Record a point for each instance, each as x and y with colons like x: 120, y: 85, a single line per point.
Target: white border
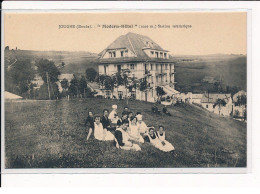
x: 133, y: 6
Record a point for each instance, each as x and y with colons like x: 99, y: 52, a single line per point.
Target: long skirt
x: 165, y: 148
x: 109, y: 137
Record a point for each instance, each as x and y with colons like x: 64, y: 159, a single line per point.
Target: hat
x: 139, y: 117
x: 114, y: 106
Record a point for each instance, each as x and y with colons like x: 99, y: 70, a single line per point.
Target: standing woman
x: 89, y: 123
x: 100, y: 133
x: 161, y: 135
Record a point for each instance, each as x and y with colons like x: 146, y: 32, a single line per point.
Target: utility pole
x: 47, y: 76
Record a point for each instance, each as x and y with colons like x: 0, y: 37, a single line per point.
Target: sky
x: 210, y: 32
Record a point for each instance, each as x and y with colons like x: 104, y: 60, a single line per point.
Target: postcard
x: 144, y: 92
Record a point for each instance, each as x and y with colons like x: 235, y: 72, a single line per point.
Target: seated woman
x: 89, y: 123
x: 122, y: 138
x: 156, y: 142
x: 99, y: 132
x: 133, y: 131
x: 161, y: 135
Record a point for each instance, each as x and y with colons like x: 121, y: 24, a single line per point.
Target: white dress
x: 168, y: 145
x: 156, y: 142
x: 99, y: 133
x: 142, y: 127
x: 112, y: 116
x: 125, y: 139
x: 133, y: 131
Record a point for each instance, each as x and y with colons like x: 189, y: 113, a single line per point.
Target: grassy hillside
x: 230, y: 69
x: 51, y: 134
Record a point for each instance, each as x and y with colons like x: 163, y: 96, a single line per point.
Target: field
x: 51, y: 134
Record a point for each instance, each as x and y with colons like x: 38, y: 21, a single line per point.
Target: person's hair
x: 130, y: 113
x: 151, y: 128
x: 124, y: 113
x: 125, y: 121
x: 138, y: 113
x: 97, y: 116
x: 161, y: 126
x: 132, y: 118
x: 90, y: 112
x: 105, y: 110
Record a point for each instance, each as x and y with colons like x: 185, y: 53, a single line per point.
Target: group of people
x: 128, y: 132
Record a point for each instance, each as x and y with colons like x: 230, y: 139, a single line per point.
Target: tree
x: 100, y: 80
x: 45, y: 66
x: 74, y: 87
x: 43, y: 91
x: 91, y: 74
x: 241, y: 100
x: 64, y: 84
x: 19, y: 77
x: 159, y: 91
x: 83, y: 86
x: 219, y: 103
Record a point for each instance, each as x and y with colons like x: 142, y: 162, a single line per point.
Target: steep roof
x: 212, y: 98
x: 11, y: 96
x: 136, y: 43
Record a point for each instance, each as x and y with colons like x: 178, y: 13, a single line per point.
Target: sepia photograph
x: 125, y: 90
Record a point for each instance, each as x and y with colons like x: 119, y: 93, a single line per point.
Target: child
x: 133, y: 131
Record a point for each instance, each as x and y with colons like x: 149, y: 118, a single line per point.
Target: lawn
x: 51, y: 134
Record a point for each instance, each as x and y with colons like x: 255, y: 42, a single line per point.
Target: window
x: 133, y: 94
x: 165, y: 55
x: 122, y: 53
x: 108, y: 93
x: 132, y: 66
x: 152, y: 53
x: 157, y: 67
x: 166, y: 66
x: 114, y: 54
x: 207, y: 106
x: 151, y: 66
x: 126, y: 53
x: 156, y: 54
x: 161, y: 55
x: 110, y: 54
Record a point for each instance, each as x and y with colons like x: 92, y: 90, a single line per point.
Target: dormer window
x: 114, y: 54
x: 126, y: 53
x: 152, y: 53
x: 161, y: 55
x: 165, y: 55
x: 156, y: 54
x: 122, y: 53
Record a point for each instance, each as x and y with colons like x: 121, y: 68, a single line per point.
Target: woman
x: 133, y: 131
x: 161, y: 135
x: 142, y: 127
x: 122, y: 138
x: 156, y: 142
x: 99, y: 132
x: 89, y: 123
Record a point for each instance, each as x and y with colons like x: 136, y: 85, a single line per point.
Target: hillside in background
x: 230, y: 70
x: 191, y: 71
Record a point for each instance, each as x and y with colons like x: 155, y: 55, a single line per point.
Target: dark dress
x: 106, y: 124
x: 89, y: 122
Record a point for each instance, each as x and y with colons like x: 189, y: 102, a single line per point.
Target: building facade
x: 140, y: 57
